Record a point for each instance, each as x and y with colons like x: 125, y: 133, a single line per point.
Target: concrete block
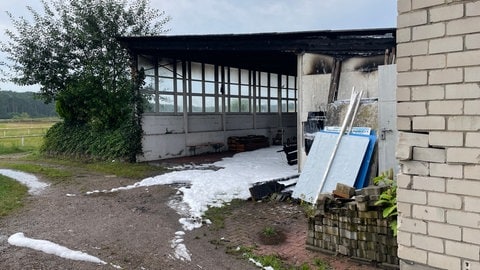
x: 344, y: 191
x: 444, y: 76
x: 429, y: 31
x: 373, y: 190
x: 403, y: 35
x: 404, y: 181
x: 473, y: 9
x: 413, y: 139
x: 471, y: 42
x: 428, y: 213
x: 444, y: 261
x: 369, y: 214
x: 471, y: 204
x: 412, y: 225
x: 464, y: 123
x: 472, y: 107
x: 462, y: 218
x: 404, y: 152
x: 444, y: 138
x: 463, y: 26
x: 403, y: 238
x: 412, y: 254
x: 429, y: 62
x: 404, y: 6
x: 463, y: 59
x: 414, y: 167
x: 426, y: 3
x: 463, y: 187
x: 463, y: 155
x: 463, y: 91
x: 429, y: 183
x: 411, y: 265
x: 471, y: 172
x: 448, y: 107
x: 445, y: 200
x: 472, y: 138
x: 436, y: 92
x: 422, y: 123
x: 412, y: 19
x: 404, y: 209
x: 442, y: 230
x: 411, y: 108
x: 411, y: 196
x: 471, y: 236
x: 446, y: 170
x: 429, y: 154
x: 446, y: 13
x: 445, y: 44
x: 404, y: 124
x: 411, y: 49
x: 471, y: 74
x: 403, y: 93
x: 428, y: 243
x: 412, y: 78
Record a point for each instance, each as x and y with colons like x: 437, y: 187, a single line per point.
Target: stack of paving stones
x: 353, y: 225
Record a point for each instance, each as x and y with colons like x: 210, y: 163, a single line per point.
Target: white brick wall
x: 438, y: 109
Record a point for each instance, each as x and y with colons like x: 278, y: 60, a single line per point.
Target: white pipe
x: 353, y: 98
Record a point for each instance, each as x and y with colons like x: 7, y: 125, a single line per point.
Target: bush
x: 86, y: 142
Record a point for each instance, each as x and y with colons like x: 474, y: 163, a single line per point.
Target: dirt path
x: 132, y: 229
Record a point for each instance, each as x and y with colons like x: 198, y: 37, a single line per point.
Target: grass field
x: 23, y: 135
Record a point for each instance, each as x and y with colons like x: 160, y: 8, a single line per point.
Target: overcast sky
x: 246, y: 16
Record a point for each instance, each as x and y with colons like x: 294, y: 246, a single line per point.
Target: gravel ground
x: 132, y: 229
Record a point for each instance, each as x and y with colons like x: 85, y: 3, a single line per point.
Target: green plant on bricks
x: 388, y: 198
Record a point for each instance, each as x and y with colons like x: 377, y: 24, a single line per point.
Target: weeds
x: 11, y: 195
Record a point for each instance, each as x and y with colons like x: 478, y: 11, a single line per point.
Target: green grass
x: 12, y: 194
x: 217, y: 214
x: 53, y: 174
x: 23, y: 136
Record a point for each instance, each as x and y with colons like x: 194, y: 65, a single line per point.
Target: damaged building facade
x: 203, y: 89
x: 438, y: 62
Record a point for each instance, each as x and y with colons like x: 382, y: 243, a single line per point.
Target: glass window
x: 233, y: 75
x: 291, y: 93
x: 244, y: 77
x: 264, y: 92
x: 166, y: 103
x: 273, y: 80
x: 197, y: 104
x: 244, y: 90
x: 149, y: 105
x: 273, y: 92
x: 196, y: 71
x: 149, y: 83
x: 245, y: 105
x: 165, y: 68
x: 166, y: 85
x: 209, y: 72
x: 179, y: 86
x: 209, y: 88
x: 291, y: 106
x: 179, y: 103
x: 234, y: 89
x: 273, y: 105
x: 263, y: 78
x: 196, y: 87
x: 234, y: 106
x: 209, y: 104
x: 263, y: 105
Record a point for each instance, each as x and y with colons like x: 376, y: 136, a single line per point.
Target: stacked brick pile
x: 354, y: 228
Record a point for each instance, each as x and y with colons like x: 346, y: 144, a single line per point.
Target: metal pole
x: 353, y: 98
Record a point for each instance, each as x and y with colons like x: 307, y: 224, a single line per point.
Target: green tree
x: 71, y: 50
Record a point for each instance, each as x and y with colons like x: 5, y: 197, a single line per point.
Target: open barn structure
x: 204, y: 89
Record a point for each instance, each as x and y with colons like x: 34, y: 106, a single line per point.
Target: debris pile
x: 247, y: 143
x: 348, y: 222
